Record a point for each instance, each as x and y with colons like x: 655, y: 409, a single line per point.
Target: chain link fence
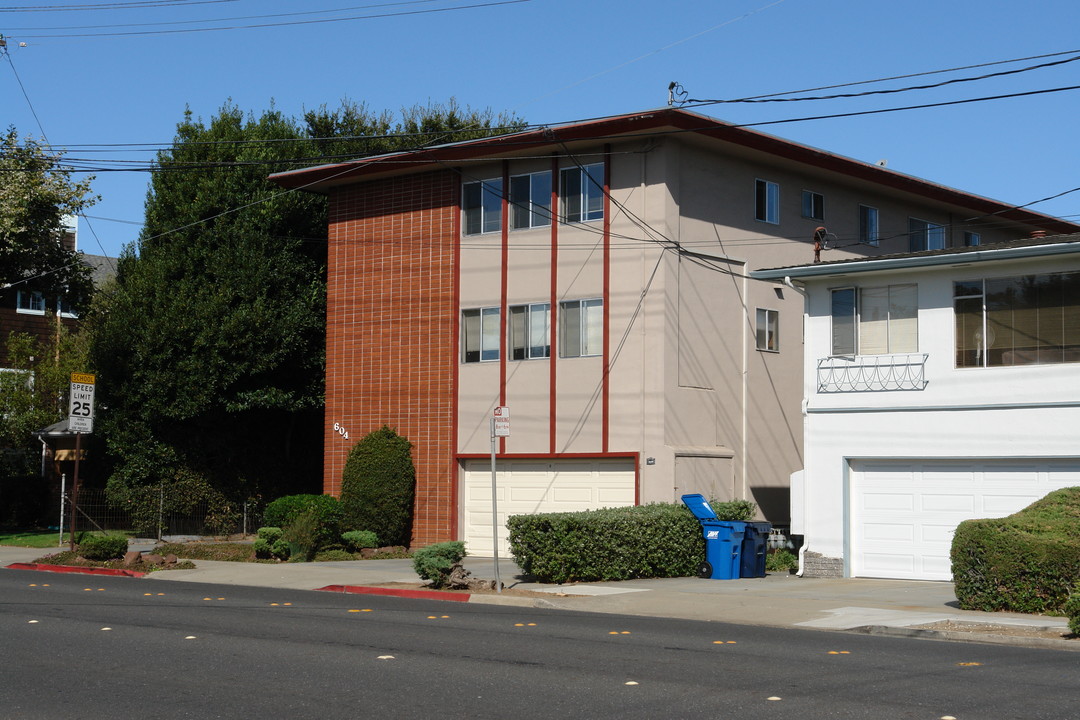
x: 94, y: 512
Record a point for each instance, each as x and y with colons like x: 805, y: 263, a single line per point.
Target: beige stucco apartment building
x: 593, y: 278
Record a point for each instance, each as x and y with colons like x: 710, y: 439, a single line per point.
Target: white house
x: 939, y: 386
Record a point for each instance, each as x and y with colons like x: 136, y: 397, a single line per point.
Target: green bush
x: 303, y: 535
x: 329, y: 514
x: 740, y: 510
x: 333, y: 555
x: 378, y: 486
x: 103, y: 547
x: 657, y: 540
x: 269, y: 534
x: 1026, y: 562
x: 360, y: 539
x: 280, y: 549
x: 781, y: 561
x: 1072, y: 609
x: 434, y: 561
x: 262, y: 548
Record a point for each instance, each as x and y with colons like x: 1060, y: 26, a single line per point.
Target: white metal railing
x: 862, y: 373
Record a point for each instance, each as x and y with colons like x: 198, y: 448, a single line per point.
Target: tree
x: 378, y: 486
x: 210, y: 348
x: 36, y: 192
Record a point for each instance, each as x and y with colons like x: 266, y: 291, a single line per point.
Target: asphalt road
x: 99, y: 647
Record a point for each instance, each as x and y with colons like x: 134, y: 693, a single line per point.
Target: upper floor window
x: 875, y: 321
x: 868, y: 225
x: 482, y: 204
x: 925, y: 235
x: 581, y: 193
x: 64, y: 308
x: 30, y: 301
x: 767, y: 201
x: 971, y: 239
x: 767, y: 337
x: 480, y: 334
x: 813, y: 205
x: 1021, y: 320
x: 530, y: 200
x: 581, y: 328
x: 530, y: 331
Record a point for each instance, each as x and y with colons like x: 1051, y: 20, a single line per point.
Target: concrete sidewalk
x: 779, y: 600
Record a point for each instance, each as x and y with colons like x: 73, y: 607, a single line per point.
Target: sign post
x: 80, y: 420
x: 500, y: 427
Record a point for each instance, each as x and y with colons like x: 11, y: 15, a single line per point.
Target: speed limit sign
x: 81, y: 405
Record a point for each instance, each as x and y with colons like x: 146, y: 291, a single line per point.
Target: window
x: 482, y: 203
x: 30, y: 301
x: 868, y: 225
x: 1023, y: 320
x: 925, y: 235
x: 767, y: 339
x: 767, y: 201
x: 530, y: 200
x: 64, y: 308
x: 530, y: 331
x: 971, y: 239
x: 581, y: 328
x: 875, y: 321
x: 582, y: 193
x: 480, y: 334
x: 813, y: 205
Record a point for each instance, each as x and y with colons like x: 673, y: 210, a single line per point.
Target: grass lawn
x: 49, y: 539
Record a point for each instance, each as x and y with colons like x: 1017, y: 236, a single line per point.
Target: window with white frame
x: 875, y: 320
x: 581, y: 193
x: 767, y: 338
x: 581, y: 328
x: 480, y: 334
x: 925, y: 235
x: 1018, y: 320
x: 868, y: 225
x: 30, y: 301
x: 64, y: 308
x: 530, y: 331
x: 767, y: 201
x: 530, y: 200
x: 481, y: 203
x: 813, y: 205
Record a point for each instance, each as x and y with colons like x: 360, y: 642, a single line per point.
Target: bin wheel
x: 704, y: 570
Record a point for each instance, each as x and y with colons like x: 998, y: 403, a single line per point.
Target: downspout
x: 806, y: 448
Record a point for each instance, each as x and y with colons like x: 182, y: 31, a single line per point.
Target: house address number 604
x: 340, y: 430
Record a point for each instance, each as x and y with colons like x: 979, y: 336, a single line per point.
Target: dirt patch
x: 1001, y: 630
x: 511, y: 592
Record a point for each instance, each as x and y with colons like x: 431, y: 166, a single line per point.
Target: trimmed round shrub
x: 435, y: 561
x: 378, y: 486
x: 103, y: 547
x: 269, y: 534
x: 359, y: 539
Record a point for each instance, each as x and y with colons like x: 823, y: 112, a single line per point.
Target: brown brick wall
x: 391, y: 314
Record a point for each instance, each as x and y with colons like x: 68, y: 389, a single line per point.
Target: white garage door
x: 525, y: 487
x: 903, y: 514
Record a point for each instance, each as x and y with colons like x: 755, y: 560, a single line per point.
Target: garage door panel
x: 930, y: 498
x: 526, y: 487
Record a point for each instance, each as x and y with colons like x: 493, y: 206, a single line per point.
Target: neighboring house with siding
x: 940, y: 386
x: 594, y: 278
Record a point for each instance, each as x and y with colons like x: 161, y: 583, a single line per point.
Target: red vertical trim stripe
x: 455, y: 375
x: 554, y: 315
x: 605, y: 387
x: 504, y: 271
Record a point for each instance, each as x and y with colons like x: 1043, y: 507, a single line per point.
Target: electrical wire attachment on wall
x: 676, y: 94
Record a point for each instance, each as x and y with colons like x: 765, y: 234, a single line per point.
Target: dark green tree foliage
x: 209, y: 349
x: 378, y: 486
x: 36, y: 192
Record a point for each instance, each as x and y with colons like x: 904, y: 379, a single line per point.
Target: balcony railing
x: 863, y: 373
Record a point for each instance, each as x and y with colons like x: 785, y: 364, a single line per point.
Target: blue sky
x: 558, y: 60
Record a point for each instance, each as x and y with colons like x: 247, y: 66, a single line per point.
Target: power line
x: 134, y: 5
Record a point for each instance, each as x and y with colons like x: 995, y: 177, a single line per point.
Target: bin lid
x: 699, y: 506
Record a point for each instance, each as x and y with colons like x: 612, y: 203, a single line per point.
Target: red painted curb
x: 396, y: 592
x: 80, y: 570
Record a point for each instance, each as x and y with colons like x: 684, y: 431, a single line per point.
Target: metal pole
x: 63, y: 497
x: 75, y: 490
x: 161, y: 510
x: 495, y: 512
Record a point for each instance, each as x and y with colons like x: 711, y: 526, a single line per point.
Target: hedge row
x: 658, y: 540
x: 1026, y: 562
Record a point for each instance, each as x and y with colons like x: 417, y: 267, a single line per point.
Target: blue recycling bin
x: 723, y: 540
x: 755, y: 544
